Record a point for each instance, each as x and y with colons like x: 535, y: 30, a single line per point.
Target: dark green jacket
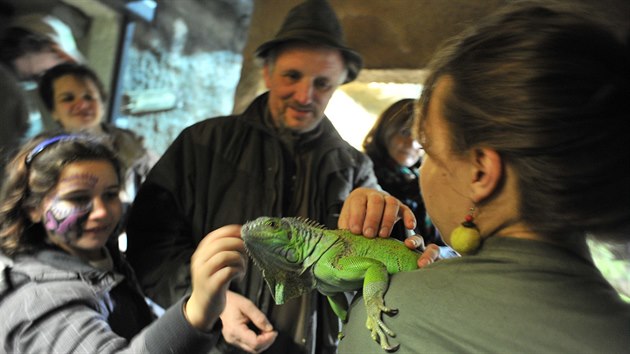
x: 230, y: 170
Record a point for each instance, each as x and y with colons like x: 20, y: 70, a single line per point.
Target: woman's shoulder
x: 129, y: 145
x: 122, y: 136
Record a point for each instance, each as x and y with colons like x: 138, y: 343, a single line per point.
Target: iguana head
x: 281, y: 248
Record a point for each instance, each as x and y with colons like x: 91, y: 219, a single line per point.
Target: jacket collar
x: 51, y: 264
x: 324, y: 135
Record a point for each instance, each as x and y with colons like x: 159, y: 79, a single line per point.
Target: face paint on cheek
x: 64, y: 220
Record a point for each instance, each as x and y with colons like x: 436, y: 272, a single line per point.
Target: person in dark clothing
x: 396, y: 155
x: 64, y: 285
x: 280, y: 157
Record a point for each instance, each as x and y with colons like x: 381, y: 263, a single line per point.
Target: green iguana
x: 297, y: 255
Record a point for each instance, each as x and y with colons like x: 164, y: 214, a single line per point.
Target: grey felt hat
x: 315, y: 21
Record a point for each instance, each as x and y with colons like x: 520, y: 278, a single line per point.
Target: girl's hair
x: 549, y: 90
x: 47, y: 81
x: 32, y: 174
x: 392, y: 120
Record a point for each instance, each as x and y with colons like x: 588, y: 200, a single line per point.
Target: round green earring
x: 465, y: 238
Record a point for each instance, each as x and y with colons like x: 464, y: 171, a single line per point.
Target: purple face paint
x: 64, y: 219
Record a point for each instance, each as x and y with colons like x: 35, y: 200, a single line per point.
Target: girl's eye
x: 78, y: 199
x: 112, y: 195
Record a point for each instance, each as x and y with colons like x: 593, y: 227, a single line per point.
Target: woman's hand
x: 430, y: 253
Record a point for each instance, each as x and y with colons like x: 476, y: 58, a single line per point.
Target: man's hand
x: 430, y: 253
x: 239, y: 312
x: 371, y: 212
x: 218, y: 259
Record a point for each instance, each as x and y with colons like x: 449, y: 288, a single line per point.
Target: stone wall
x: 192, y: 50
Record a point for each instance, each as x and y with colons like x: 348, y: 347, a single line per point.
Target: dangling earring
x: 465, y: 238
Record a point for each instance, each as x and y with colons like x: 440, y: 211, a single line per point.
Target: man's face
x: 301, y: 82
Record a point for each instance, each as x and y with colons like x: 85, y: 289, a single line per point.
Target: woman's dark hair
x: 16, y: 42
x: 396, y: 117
x: 47, y: 81
x: 34, y: 172
x: 549, y: 90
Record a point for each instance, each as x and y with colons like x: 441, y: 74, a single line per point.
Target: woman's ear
x: 487, y: 173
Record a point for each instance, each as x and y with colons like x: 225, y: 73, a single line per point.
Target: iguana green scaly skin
x: 297, y: 256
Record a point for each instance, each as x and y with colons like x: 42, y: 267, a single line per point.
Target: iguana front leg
x: 375, y: 284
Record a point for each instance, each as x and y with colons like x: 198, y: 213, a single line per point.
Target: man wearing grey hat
x: 280, y: 157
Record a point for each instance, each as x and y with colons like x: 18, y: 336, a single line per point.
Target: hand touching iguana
x: 297, y: 256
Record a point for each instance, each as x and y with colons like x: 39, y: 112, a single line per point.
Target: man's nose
x: 304, y: 93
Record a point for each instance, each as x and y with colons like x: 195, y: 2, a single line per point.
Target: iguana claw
x: 379, y: 331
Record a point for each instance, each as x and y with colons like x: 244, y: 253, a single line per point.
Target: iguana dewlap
x: 297, y: 256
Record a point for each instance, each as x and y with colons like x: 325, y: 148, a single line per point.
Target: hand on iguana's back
x: 372, y: 213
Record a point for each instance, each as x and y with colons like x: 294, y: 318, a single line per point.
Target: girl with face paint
x: 83, y: 210
x: 59, y: 208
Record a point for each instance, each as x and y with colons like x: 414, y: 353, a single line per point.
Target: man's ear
x: 487, y: 173
x: 266, y: 74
